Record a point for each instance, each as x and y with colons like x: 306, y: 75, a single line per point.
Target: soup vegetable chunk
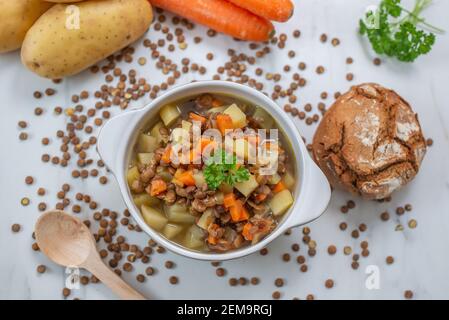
x: 211, y: 175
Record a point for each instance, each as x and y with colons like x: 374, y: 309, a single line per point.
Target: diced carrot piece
x: 186, y: 178
x: 238, y: 212
x: 224, y: 122
x: 246, y: 232
x: 261, y: 197
x: 206, y: 142
x: 157, y: 187
x: 279, y: 187
x: 166, y: 156
x: 210, y: 238
x: 197, y: 117
x: 229, y: 200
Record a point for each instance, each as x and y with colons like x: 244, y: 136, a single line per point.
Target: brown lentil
x: 41, y: 268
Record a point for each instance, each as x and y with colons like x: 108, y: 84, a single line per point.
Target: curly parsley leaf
x: 397, y: 36
x: 223, y: 167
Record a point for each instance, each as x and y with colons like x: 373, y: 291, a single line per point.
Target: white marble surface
x: 422, y: 254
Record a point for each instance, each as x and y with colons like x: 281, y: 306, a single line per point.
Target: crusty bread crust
x: 370, y: 142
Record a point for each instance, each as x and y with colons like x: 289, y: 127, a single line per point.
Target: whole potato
x: 54, y: 47
x: 16, y: 17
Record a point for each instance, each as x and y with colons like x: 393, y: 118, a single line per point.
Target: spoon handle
x: 112, y: 280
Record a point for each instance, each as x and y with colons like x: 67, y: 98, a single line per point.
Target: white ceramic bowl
x: 312, y: 193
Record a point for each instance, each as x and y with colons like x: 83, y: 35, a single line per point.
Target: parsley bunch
x: 222, y: 167
x: 396, y: 34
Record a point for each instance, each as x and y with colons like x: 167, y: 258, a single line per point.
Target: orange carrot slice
x: 224, y: 122
x: 229, y: 200
x: 196, y: 117
x: 279, y: 187
x: 157, y: 187
x: 238, y: 212
x: 166, y: 156
x: 276, y: 10
x: 186, y: 178
x: 246, y: 232
x: 221, y: 16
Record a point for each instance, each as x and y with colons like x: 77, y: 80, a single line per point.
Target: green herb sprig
x: 222, y: 167
x: 397, y: 34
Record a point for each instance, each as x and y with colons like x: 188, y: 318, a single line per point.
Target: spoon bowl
x: 63, y: 238
x: 67, y: 241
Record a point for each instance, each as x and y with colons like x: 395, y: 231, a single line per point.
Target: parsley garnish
x: 222, y: 167
x: 397, y: 36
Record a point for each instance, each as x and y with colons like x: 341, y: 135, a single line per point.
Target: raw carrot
x: 224, y: 122
x: 157, y: 187
x: 229, y: 200
x: 221, y: 16
x: 166, y: 156
x: 246, y: 232
x: 276, y: 10
x: 279, y: 187
x: 196, y: 117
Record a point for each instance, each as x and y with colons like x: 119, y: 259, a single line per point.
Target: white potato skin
x: 16, y: 17
x: 52, y: 50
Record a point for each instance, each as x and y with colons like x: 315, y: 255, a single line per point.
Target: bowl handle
x: 110, y: 138
x: 317, y: 196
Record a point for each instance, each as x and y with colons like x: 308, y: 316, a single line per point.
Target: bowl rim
x: 140, y: 116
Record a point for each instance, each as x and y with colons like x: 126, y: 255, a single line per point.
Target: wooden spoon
x: 68, y: 242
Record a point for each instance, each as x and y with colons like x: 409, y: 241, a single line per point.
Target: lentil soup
x: 213, y: 173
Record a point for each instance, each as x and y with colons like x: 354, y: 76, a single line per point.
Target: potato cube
x: 154, y: 218
x: 145, y: 199
x: 169, y: 114
x: 289, y: 180
x: 248, y: 186
x: 145, y: 158
x: 265, y: 120
x: 194, y: 238
x: 237, y: 116
x: 172, y: 230
x: 132, y: 175
x: 146, y: 143
x: 280, y: 203
x: 206, y: 219
x: 155, y: 131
